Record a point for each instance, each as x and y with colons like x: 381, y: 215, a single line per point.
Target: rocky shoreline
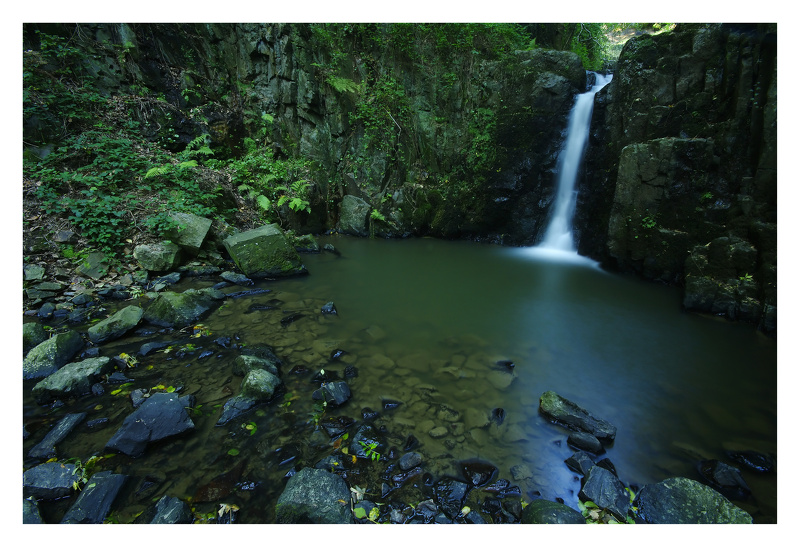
x: 70, y: 356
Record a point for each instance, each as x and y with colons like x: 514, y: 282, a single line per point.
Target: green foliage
x: 369, y: 450
x: 342, y: 85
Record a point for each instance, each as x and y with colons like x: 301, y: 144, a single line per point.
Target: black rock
x: 477, y: 473
x: 409, y: 461
x: 335, y: 426
x: 94, y: 501
x: 150, y: 347
x: 450, y: 495
x: 401, y: 478
x: 606, y: 490
x: 585, y: 441
x: 368, y: 414
x: 505, y: 365
x: 411, y: 443
x: 30, y: 512
x: 49, y: 481
x: 754, y: 461
x: 580, y: 462
x: 118, y: 378
x: 172, y: 511
x: 291, y: 318
x: 497, y: 416
x: 391, y: 404
x: 223, y: 341
x: 337, y: 354
x: 98, y: 389
x: 334, y: 393
x: 367, y: 435
x: 350, y: 372
x: 331, y: 249
x: 98, y: 423
x: 724, y: 478
x: 329, y: 309
x: 605, y: 463
x: 567, y: 414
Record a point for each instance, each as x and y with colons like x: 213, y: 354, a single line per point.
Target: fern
x: 343, y: 85
x: 158, y: 171
x: 187, y: 164
x: 263, y: 202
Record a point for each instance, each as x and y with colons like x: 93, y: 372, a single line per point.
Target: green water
x: 423, y: 322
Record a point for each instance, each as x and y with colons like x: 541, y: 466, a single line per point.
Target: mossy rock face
x: 312, y: 496
x: 550, y: 512
x: 170, y: 309
x: 50, y: 355
x: 684, y: 501
x: 33, y: 334
x: 264, y: 252
x: 116, y: 325
x: 72, y: 380
x: 158, y: 257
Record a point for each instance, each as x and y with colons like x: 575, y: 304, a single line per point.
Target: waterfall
x: 558, y: 235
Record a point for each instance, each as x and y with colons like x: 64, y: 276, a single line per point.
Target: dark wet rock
x: 505, y: 365
x: 171, y: 309
x: 116, y: 325
x: 138, y: 396
x: 477, y: 473
x: 541, y: 511
x: 160, y: 283
x: 753, y: 461
x: 46, y: 448
x: 97, y: 423
x: 334, y: 393
x: 223, y: 341
x: 366, y: 506
x: 606, y: 490
x: 33, y: 334
x: 331, y: 249
x: 605, y: 463
x: 330, y: 463
x: 236, y: 278
x: 474, y: 517
x: 30, y: 512
x: 205, y: 354
x: 501, y: 488
x: 684, y: 501
x: 49, y: 481
x: 49, y: 356
x: 497, y: 416
x: 291, y: 318
x: 258, y: 386
x: 190, y: 232
x: 325, y: 376
x: 47, y: 309
x: 368, y: 414
x: 409, y: 461
x: 264, y: 252
x: 329, y: 309
x: 158, y: 257
x: 366, y: 434
x: 426, y: 510
x: 251, y: 292
x: 235, y: 407
x: 245, y: 363
x: 567, y: 414
x: 161, y: 416
x: 580, y: 462
x: 337, y: 354
x: 353, y: 216
x: 584, y: 441
x: 263, y: 351
x: 171, y: 510
x: 450, y: 494
x: 724, y: 478
x: 98, y: 389
x: 350, y: 372
x: 411, y: 443
x: 335, y: 426
x: 313, y: 496
x: 118, y: 378
x: 494, y: 508
x: 72, y: 380
x: 94, y: 501
x: 390, y: 404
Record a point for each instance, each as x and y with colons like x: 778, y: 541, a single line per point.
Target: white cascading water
x: 558, y: 236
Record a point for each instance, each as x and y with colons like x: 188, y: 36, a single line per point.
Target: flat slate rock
x: 49, y: 481
x: 171, y: 510
x: 605, y: 489
x: 94, y: 501
x: 46, y: 448
x: 72, y: 380
x: 52, y: 354
x: 567, y: 414
x: 161, y: 416
x: 684, y: 501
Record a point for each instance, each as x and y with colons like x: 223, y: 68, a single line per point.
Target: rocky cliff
x: 681, y: 183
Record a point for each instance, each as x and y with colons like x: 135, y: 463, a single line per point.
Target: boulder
x: 245, y: 363
x: 566, y: 413
x: 94, y: 501
x: 171, y: 309
x: 724, y: 478
x: 450, y: 495
x: 259, y: 386
x: 49, y: 481
x: 93, y: 266
x: 158, y: 257
x: 584, y: 441
x: 684, y: 501
x: 580, y: 462
x: 161, y: 416
x: 314, y: 496
x: 334, y: 393
x: 33, y: 334
x: 72, y: 380
x: 116, y: 325
x: 50, y: 355
x: 306, y: 244
x: 541, y: 511
x: 353, y: 216
x: 606, y: 490
x: 191, y: 231
x: 264, y: 252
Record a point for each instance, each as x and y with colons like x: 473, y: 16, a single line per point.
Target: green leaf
x: 360, y: 512
x: 263, y: 202
x: 374, y: 513
x: 233, y: 452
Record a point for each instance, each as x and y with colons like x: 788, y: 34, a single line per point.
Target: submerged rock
x: 171, y: 510
x: 566, y: 413
x: 46, y: 448
x: 754, y: 461
x: 334, y: 393
x: 450, y: 495
x: 684, y: 501
x: 314, y: 496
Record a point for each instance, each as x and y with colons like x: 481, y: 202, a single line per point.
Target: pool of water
x: 424, y: 323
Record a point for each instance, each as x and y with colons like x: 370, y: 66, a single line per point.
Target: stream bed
x: 421, y: 325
